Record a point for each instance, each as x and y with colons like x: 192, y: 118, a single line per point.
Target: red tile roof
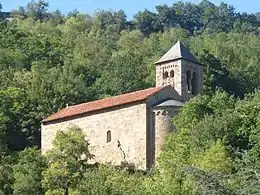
x: 104, y: 103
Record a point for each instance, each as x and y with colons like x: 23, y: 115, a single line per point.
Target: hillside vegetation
x: 48, y: 60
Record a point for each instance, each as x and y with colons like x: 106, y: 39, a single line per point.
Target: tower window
x: 188, y: 80
x: 165, y: 75
x: 108, y: 136
x: 194, y: 84
x: 172, y: 73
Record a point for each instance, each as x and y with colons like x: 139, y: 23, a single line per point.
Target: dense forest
x: 49, y: 60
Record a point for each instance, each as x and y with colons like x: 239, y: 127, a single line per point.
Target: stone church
x: 132, y: 127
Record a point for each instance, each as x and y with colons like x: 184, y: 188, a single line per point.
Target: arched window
x: 194, y: 84
x: 165, y: 75
x: 108, y: 136
x: 172, y: 73
x: 188, y: 80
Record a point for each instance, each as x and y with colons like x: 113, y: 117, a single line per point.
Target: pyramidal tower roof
x: 178, y: 51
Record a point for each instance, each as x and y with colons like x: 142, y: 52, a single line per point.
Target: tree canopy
x: 49, y: 60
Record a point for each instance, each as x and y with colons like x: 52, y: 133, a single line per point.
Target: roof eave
x: 66, y: 117
x: 92, y: 111
x: 176, y: 59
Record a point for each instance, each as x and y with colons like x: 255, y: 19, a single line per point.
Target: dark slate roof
x: 170, y: 103
x: 178, y: 51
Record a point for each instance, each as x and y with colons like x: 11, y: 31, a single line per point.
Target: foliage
x: 213, y: 145
x: 49, y: 60
x: 28, y: 172
x: 108, y: 180
x: 67, y: 161
x: 52, y: 60
x: 6, y: 173
x: 14, y: 118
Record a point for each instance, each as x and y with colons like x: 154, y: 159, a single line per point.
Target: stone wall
x: 192, y: 67
x: 163, y: 125
x: 127, y: 125
x: 175, y: 81
x: 179, y: 79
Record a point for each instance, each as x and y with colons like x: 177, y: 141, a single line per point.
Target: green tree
x: 13, y: 111
x: 125, y: 73
x: 37, y: 10
x: 28, y: 172
x: 148, y: 22
x: 67, y: 161
x: 3, y: 143
x: 6, y: 173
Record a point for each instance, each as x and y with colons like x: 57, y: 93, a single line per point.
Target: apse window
x: 108, y: 136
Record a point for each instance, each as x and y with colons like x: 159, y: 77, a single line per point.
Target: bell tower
x: 180, y: 69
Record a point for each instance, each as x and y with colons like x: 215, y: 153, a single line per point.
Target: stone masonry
x: 127, y: 125
x: 137, y: 123
x: 180, y: 69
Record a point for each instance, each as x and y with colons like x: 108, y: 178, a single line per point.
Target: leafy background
x: 48, y: 60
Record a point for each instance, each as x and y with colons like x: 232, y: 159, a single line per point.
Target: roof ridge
x: 117, y: 96
x: 101, y: 104
x: 178, y: 51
